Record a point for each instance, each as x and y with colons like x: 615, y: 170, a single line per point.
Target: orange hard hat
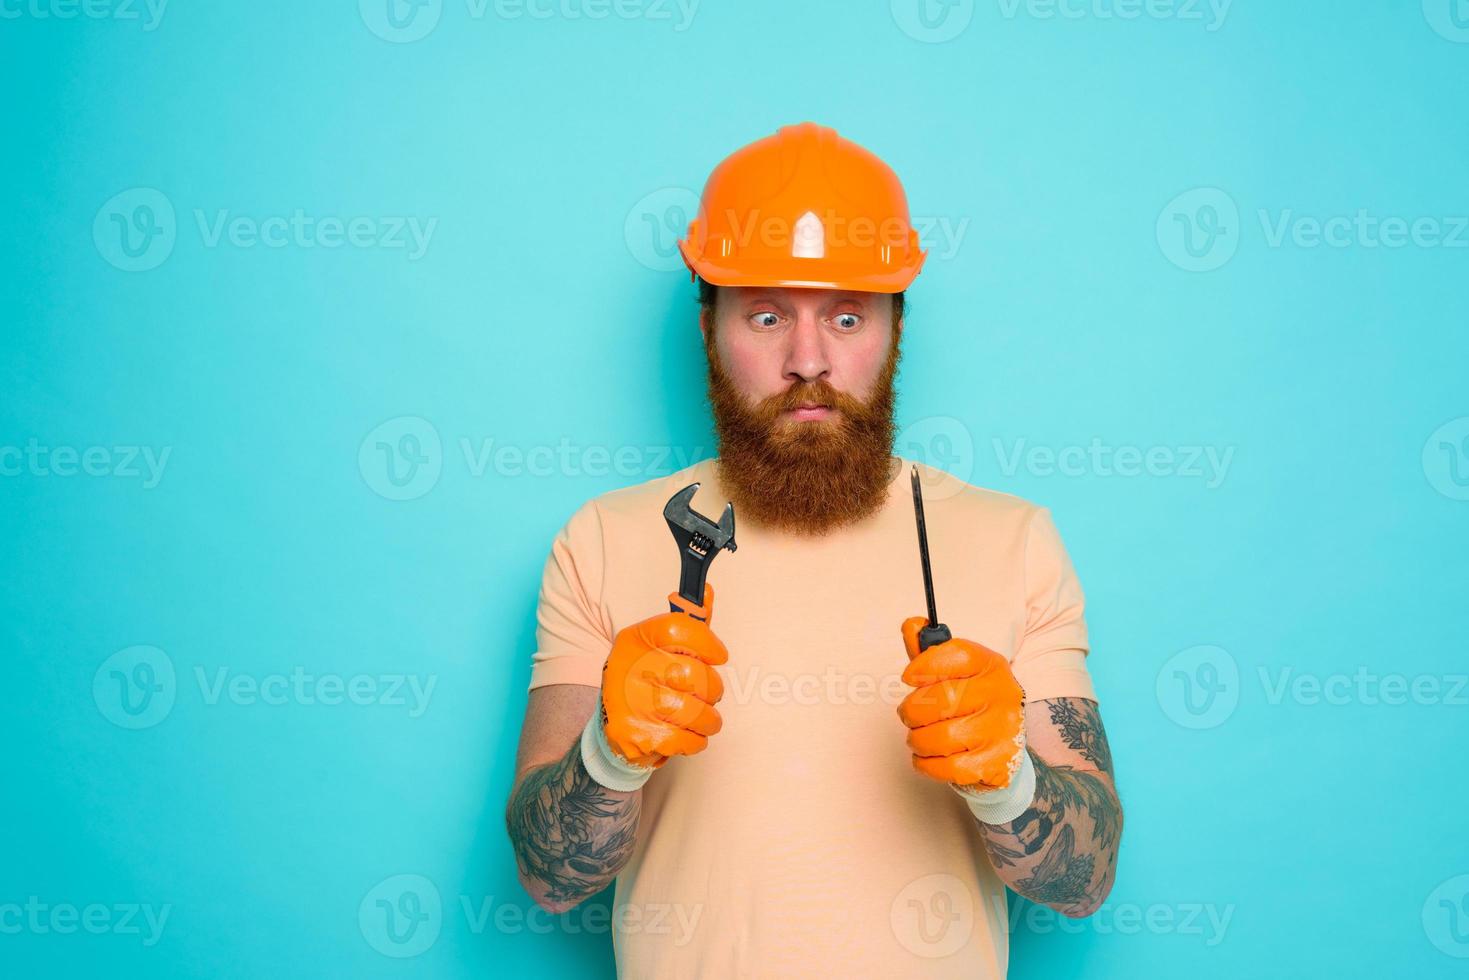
x: 804, y: 207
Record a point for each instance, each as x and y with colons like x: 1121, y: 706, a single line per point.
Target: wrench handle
x: 680, y: 603
x: 692, y: 573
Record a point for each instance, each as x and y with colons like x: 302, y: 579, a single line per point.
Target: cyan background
x: 546, y: 308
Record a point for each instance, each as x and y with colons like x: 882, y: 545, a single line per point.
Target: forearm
x: 571, y: 835
x: 1062, y: 851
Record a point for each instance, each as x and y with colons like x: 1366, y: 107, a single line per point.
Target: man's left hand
x: 966, y: 716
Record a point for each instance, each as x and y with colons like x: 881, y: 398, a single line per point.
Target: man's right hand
x: 659, y: 688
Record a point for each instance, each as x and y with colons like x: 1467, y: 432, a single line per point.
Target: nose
x: 806, y: 354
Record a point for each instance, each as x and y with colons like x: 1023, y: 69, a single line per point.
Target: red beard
x: 806, y: 477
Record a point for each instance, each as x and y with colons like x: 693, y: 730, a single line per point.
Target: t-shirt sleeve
x: 1051, y: 659
x: 573, y: 632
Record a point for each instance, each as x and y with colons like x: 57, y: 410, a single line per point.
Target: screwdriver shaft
x: 933, y: 616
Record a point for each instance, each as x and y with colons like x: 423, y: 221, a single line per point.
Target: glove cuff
x: 604, y: 765
x: 1003, y: 805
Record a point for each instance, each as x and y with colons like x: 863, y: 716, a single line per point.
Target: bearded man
x: 810, y: 788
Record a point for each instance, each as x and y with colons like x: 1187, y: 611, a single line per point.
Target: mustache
x: 818, y: 392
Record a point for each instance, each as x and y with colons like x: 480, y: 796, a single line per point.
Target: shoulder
x: 1007, y: 524
x: 944, y: 490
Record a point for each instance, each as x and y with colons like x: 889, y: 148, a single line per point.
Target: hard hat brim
x: 808, y: 274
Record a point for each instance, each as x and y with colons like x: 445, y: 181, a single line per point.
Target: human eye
x: 765, y: 319
x: 847, y: 321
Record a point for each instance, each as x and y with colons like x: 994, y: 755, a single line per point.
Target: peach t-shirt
x: 801, y: 842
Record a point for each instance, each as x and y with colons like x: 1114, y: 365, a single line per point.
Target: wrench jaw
x: 699, y: 540
x: 726, y: 527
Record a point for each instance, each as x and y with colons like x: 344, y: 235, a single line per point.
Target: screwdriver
x: 935, y: 631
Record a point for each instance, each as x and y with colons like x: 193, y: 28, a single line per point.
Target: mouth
x: 809, y: 412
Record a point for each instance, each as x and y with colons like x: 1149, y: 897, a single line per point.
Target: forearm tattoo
x: 1052, y: 850
x: 1081, y: 729
x: 570, y: 833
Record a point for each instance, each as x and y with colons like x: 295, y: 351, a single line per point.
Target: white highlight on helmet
x: 809, y: 242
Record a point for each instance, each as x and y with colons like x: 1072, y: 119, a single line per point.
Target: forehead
x: 792, y: 297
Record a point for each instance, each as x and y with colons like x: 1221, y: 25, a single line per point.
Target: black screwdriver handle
x: 930, y: 635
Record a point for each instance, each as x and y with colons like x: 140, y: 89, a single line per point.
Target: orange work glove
x: 659, y: 688
x: 966, y: 718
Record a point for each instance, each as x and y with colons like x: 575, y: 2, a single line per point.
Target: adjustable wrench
x: 699, y: 540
